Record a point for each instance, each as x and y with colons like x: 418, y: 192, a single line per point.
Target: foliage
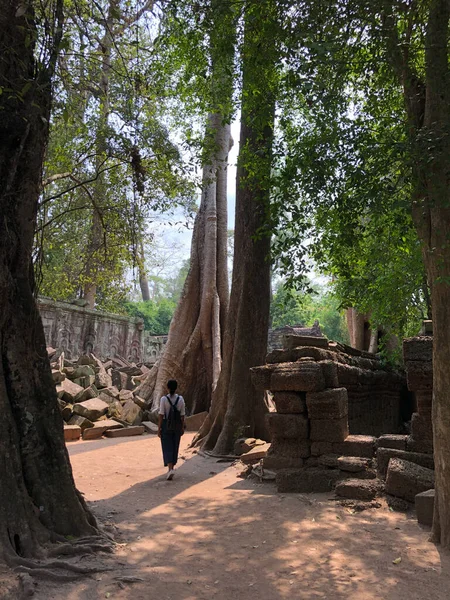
x: 291, y: 307
x: 156, y: 314
x: 343, y: 194
x: 111, y: 155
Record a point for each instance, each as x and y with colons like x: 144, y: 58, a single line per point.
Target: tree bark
x: 143, y: 279
x: 427, y: 102
x: 38, y: 499
x: 432, y: 217
x: 238, y: 408
x: 193, y: 353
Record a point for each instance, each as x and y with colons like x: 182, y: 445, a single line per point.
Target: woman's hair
x: 172, y: 385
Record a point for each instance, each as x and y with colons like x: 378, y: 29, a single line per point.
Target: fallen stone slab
x: 110, y: 391
x: 86, y: 394
x: 290, y: 402
x: 83, y: 371
x: 150, y: 427
x: 255, y: 454
x: 385, y: 454
x: 392, y: 441
x: 99, y: 428
x: 125, y: 432
x: 329, y: 404
x: 67, y: 390
x: 283, y: 426
x: 125, y: 395
x: 354, y: 464
x: 91, y: 409
x: 243, y: 445
x: 72, y: 432
x: 82, y: 422
x: 329, y: 430
x: 305, y: 481
x: 356, y: 445
x: 131, y: 413
x: 58, y: 376
x: 194, y: 422
x: 291, y: 340
x: 424, y: 503
x: 67, y: 412
x: 358, y: 489
x: 85, y: 381
x: 405, y: 479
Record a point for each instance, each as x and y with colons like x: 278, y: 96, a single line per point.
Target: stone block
x: 150, y: 427
x: 354, y: 464
x: 91, y: 409
x: 290, y: 402
x: 425, y: 507
x: 83, y: 371
x: 347, y: 375
x: 330, y: 373
x: 419, y: 376
x: 418, y: 349
x: 291, y: 340
x: 140, y: 402
x: 405, y: 479
x: 255, y: 454
x: 194, y: 422
x: 125, y: 395
x: 99, y: 428
x: 305, y: 481
x: 424, y: 400
x: 421, y: 427
x: 384, y: 455
x: 115, y: 410
x: 329, y: 430
x: 68, y: 390
x: 356, y: 445
x: 57, y: 376
x: 283, y: 426
x: 285, y: 454
x: 110, y: 391
x: 261, y: 377
x: 328, y: 460
x: 329, y: 404
x: 392, y: 441
x: 67, y: 412
x: 125, y: 432
x: 102, y: 379
x: 319, y: 448
x: 421, y: 446
x: 72, y: 432
x: 304, y: 376
x: 131, y: 413
x: 85, y: 381
x: 82, y: 422
x: 358, y: 489
x: 86, y: 394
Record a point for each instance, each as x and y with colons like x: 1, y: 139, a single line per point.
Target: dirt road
x: 208, y: 534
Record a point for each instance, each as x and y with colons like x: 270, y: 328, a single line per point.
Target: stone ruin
x: 339, y: 420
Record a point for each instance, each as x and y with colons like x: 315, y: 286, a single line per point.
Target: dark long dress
x: 170, y: 442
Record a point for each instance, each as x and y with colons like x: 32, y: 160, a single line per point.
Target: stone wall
x: 79, y: 330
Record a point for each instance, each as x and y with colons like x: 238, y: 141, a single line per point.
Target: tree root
x: 49, y: 575
x: 75, y: 549
x: 32, y: 566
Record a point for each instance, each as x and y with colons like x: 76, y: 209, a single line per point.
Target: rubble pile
x: 96, y: 398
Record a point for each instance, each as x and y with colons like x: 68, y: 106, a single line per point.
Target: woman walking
x: 172, y: 411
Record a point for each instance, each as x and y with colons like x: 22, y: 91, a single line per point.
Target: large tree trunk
x: 38, y: 499
x: 432, y: 217
x: 192, y: 354
x: 238, y: 408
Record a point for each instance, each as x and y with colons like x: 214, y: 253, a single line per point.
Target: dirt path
x: 209, y: 534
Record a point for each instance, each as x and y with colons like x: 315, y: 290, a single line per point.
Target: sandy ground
x: 209, y: 534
